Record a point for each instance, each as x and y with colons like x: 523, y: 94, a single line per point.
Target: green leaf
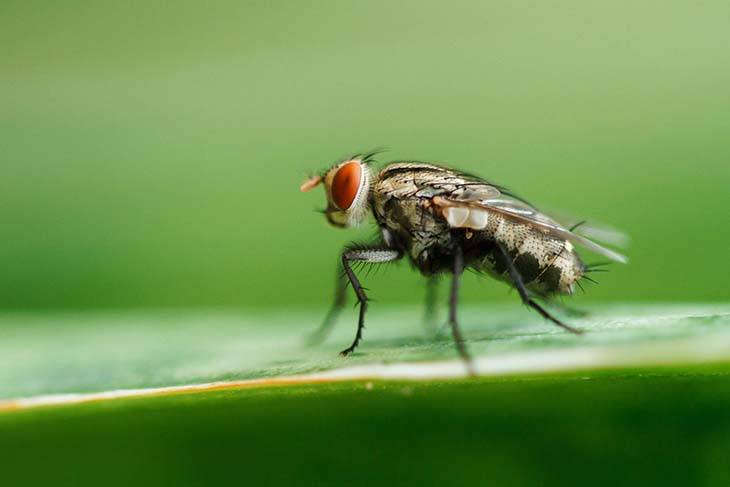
x: 633, y: 423
x: 46, y: 354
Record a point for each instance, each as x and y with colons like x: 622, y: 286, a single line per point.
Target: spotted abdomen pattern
x: 546, y: 264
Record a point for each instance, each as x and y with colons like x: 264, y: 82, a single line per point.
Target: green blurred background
x: 151, y: 152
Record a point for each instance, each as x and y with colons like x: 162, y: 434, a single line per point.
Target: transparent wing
x: 592, y: 229
x: 520, y: 211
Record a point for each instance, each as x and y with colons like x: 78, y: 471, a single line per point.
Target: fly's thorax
x: 399, y: 200
x: 409, y: 221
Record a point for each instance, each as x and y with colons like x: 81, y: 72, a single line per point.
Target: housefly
x: 445, y: 221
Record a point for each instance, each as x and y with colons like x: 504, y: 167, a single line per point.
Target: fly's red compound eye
x: 346, y: 184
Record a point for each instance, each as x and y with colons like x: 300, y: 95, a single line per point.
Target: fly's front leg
x: 370, y: 255
x: 458, y: 269
x: 525, y: 295
x: 339, y: 302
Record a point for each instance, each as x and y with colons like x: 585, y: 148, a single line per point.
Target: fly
x: 445, y: 221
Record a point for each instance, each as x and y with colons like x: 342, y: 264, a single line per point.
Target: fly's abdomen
x: 547, y: 265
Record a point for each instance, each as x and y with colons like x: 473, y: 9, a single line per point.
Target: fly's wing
x: 468, y: 206
x: 598, y: 231
x: 522, y: 212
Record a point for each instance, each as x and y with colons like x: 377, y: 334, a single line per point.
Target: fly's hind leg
x: 430, y: 306
x: 563, y: 308
x: 458, y: 269
x: 370, y: 255
x: 334, y: 312
x: 525, y: 295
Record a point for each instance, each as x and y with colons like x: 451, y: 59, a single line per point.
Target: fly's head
x: 347, y: 187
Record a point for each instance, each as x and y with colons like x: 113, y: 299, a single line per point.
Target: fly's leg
x: 525, y: 295
x: 334, y: 312
x: 429, y: 308
x: 563, y: 308
x: 458, y: 269
x: 371, y: 255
